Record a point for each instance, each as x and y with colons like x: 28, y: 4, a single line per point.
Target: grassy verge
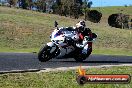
x: 61, y: 79
x: 112, y: 52
x: 26, y: 50
x: 95, y: 51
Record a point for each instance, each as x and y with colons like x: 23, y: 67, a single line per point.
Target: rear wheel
x: 45, y: 55
x: 80, y: 57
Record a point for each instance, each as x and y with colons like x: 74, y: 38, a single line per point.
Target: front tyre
x: 44, y: 54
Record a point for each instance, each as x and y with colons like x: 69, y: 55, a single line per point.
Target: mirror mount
x: 56, y: 24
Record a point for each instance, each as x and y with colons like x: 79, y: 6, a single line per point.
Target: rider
x: 85, y: 37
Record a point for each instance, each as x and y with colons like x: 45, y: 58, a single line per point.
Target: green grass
x: 107, y: 11
x: 95, y: 51
x: 29, y: 50
x: 25, y: 31
x: 115, y: 9
x: 60, y: 79
x: 112, y: 52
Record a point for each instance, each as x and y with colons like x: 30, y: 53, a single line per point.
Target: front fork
x: 54, y: 49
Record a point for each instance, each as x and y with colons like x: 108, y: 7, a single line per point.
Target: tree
x: 19, y: 3
x: 86, y: 7
x: 24, y: 4
x: 56, y: 8
x: 30, y: 4
x: 58, y: 2
x: 79, y: 1
x: 89, y: 4
x: 12, y: 2
x: 125, y: 5
x: 41, y: 5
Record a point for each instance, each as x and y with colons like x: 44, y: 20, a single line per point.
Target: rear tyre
x: 44, y: 54
x: 80, y: 57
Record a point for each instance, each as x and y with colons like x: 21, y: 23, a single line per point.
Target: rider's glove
x: 87, y: 38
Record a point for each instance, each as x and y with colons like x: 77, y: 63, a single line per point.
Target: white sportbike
x: 63, y: 45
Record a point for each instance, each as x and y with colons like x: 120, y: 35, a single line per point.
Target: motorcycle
x: 60, y: 48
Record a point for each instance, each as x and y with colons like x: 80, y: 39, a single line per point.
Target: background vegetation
x: 23, y: 29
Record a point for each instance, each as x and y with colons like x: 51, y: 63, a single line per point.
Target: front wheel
x: 44, y: 54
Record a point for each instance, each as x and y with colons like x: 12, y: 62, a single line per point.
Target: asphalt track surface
x: 24, y: 62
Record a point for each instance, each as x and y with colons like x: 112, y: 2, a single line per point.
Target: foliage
x: 41, y: 5
x: 72, y: 8
x: 12, y: 2
x: 26, y: 4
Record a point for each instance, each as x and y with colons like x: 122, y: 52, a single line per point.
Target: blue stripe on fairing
x: 57, y: 34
